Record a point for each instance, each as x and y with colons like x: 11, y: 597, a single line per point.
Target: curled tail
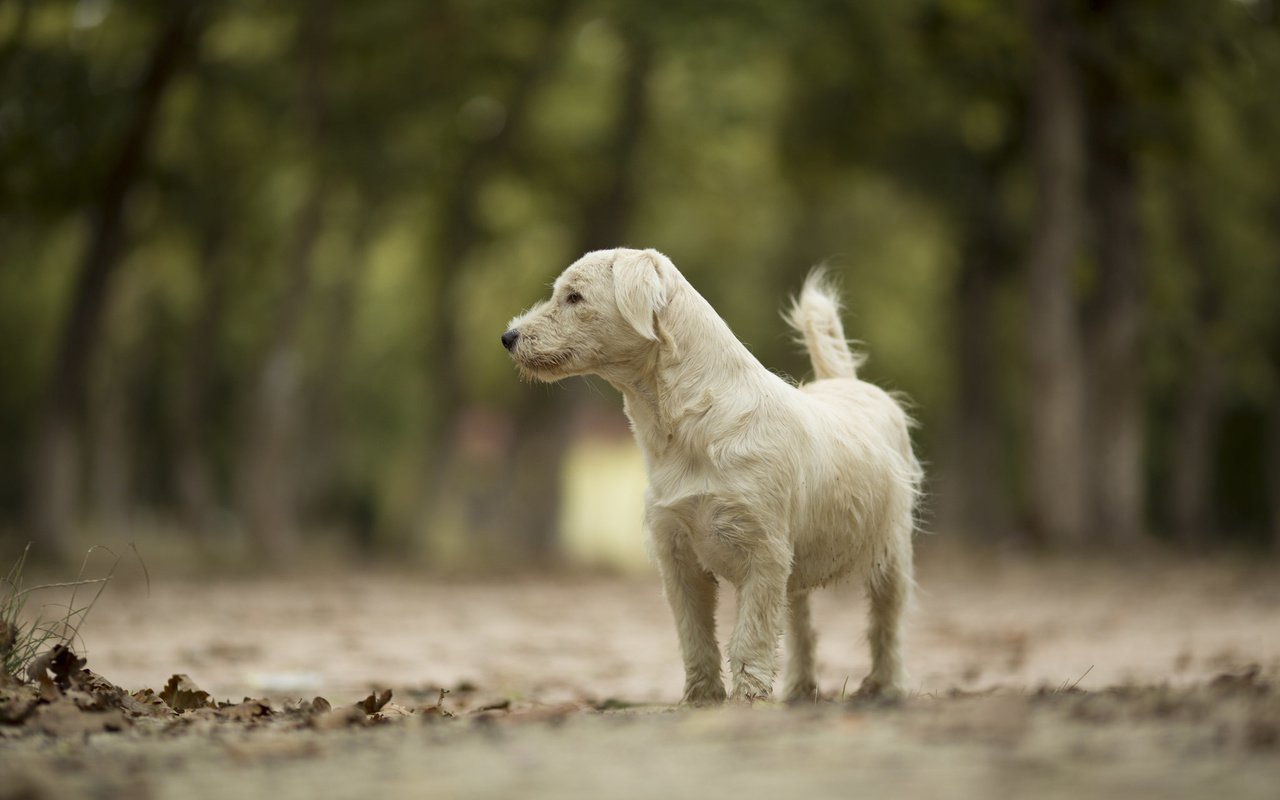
x: 815, y: 314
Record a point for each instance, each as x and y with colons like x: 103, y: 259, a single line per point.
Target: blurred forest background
x: 255, y: 258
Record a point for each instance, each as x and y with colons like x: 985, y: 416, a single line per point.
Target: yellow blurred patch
x: 603, y: 509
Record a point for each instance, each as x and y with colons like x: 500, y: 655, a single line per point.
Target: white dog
x: 777, y: 489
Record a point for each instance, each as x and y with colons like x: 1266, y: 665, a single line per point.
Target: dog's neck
x: 671, y: 388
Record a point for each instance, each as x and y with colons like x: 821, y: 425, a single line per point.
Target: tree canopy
x: 255, y: 258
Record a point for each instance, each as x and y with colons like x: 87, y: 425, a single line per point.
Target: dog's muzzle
x: 509, y: 339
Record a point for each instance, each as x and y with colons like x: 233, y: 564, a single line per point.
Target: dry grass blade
x: 1082, y: 677
x: 22, y: 640
x: 71, y: 634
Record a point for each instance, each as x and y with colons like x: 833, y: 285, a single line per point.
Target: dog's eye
x: 573, y: 298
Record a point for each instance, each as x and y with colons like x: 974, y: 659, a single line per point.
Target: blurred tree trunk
x: 322, y: 472
x: 111, y: 436
x: 269, y: 490
x: 1273, y: 446
x: 607, y: 213
x: 1273, y: 463
x: 542, y: 431
x: 17, y: 35
x: 269, y: 475
x: 1199, y: 406
x: 801, y: 251
x: 1115, y: 309
x: 53, y: 491
x: 458, y: 234
x: 974, y: 498
x: 1056, y: 461
x: 197, y: 496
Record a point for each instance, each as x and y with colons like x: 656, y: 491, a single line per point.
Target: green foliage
x: 889, y: 138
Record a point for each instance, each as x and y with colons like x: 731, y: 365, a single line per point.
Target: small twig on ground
x: 440, y: 700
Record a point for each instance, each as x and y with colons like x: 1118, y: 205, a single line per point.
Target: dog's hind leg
x: 691, y: 592
x: 801, y: 685
x: 889, y: 585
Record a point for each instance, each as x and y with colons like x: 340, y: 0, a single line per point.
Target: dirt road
x: 1052, y: 679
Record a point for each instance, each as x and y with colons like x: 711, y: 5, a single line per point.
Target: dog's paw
x: 751, y: 684
x: 745, y: 695
x: 802, y: 693
x: 749, y: 689
x: 875, y: 689
x: 703, y: 693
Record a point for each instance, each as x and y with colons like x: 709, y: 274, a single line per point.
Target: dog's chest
x: 721, y: 532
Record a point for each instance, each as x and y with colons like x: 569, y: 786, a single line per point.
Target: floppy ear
x: 641, y: 288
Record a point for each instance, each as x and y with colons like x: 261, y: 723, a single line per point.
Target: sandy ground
x: 978, y: 624
x: 1135, y: 678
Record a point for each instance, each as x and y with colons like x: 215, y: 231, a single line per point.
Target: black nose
x: 509, y: 339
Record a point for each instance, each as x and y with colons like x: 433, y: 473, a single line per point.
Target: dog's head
x: 603, y: 316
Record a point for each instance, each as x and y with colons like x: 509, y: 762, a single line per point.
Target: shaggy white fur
x: 777, y: 489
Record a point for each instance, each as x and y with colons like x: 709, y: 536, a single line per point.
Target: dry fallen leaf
x: 66, y: 666
x: 393, y: 711
x: 54, y: 671
x: 48, y: 691
x: 1248, y: 679
x: 182, y: 694
x: 501, y: 705
x: 375, y: 701
x: 38, y: 669
x: 342, y: 717
x: 85, y: 701
x: 91, y: 682
x: 200, y: 720
x: 146, y: 703
x: 248, y: 710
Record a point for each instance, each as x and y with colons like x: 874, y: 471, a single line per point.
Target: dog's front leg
x: 691, y: 592
x: 761, y: 601
x: 801, y: 685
